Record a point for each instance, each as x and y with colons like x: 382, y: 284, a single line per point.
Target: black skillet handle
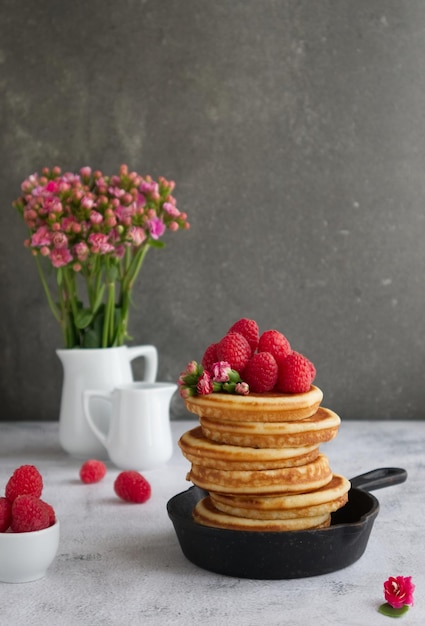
x: 379, y: 478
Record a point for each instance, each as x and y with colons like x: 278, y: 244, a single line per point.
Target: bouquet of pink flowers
x: 94, y: 232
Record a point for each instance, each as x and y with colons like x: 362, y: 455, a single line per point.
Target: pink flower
x: 141, y: 200
x: 41, y: 237
x: 99, y: 243
x: 124, y: 213
x: 81, y: 251
x: 137, y: 235
x: 149, y: 187
x: 156, y: 227
x: 96, y: 217
x: 204, y: 386
x: 87, y: 202
x: 60, y: 257
x: 220, y: 371
x: 60, y: 240
x: 398, y: 591
x: 52, y: 186
x: 171, y: 209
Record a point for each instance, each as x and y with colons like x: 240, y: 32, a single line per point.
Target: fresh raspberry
x: 235, y: 350
x: 274, y: 342
x: 248, y: 329
x: 24, y: 480
x: 296, y: 373
x: 210, y: 357
x: 92, y: 471
x: 29, y: 513
x: 132, y: 487
x: 260, y: 372
x: 51, y: 512
x: 5, y: 514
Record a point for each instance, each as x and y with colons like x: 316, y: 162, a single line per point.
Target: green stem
x: 109, y: 321
x: 134, y: 269
x: 52, y: 305
x: 69, y: 299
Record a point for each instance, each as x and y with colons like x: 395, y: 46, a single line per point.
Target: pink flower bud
x: 186, y: 392
x: 173, y: 226
x: 204, y: 386
x: 242, y: 389
x: 85, y: 171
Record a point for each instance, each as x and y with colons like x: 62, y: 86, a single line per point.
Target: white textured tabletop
x: 121, y: 564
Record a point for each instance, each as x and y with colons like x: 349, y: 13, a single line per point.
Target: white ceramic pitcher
x: 98, y: 368
x: 139, y: 435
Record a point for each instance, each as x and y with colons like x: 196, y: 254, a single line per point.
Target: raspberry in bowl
x: 29, y: 529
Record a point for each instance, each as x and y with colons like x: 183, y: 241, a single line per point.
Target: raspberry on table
x: 5, y: 514
x: 261, y: 372
x: 29, y: 513
x: 131, y: 486
x: 296, y: 373
x: 92, y: 471
x: 248, y: 329
x: 276, y: 343
x: 235, y: 350
x: 210, y: 357
x: 26, y: 479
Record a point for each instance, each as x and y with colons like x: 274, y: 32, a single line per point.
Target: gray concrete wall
x: 295, y: 131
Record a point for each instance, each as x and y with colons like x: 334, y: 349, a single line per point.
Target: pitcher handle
x: 151, y: 360
x: 87, y: 395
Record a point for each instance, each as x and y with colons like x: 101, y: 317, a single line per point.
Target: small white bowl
x: 26, y: 556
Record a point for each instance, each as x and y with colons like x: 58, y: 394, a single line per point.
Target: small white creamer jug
x: 139, y: 434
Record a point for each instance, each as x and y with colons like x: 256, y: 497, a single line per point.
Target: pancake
x: 207, y: 514
x: 274, y: 481
x: 337, y: 487
x: 314, y: 430
x: 202, y: 451
x: 256, y: 407
x: 325, y: 500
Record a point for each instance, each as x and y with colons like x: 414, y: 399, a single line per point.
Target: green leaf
x: 92, y: 339
x: 99, y: 298
x: 389, y: 611
x: 83, y: 318
x: 156, y: 243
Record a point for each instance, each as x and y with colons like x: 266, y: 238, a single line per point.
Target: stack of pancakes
x: 258, y: 458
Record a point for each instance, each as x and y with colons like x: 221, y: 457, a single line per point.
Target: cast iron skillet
x: 283, y: 555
